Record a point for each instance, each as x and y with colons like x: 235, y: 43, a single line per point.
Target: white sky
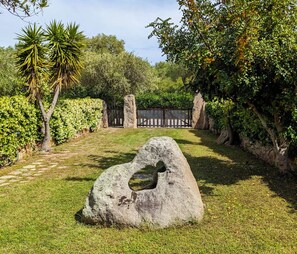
x: 126, y: 19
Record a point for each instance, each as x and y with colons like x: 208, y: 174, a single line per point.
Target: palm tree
x: 54, y: 56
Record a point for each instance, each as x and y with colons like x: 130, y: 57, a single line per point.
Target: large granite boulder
x: 175, y: 198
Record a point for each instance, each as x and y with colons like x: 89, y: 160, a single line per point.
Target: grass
x: 250, y: 208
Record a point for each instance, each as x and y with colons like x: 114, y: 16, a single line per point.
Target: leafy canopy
x: 240, y: 50
x: 23, y: 8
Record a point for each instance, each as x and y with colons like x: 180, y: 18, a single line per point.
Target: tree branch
x: 270, y: 131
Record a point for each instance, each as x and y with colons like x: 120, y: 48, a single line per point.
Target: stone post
x: 199, y: 118
x: 130, y: 118
x: 104, y: 115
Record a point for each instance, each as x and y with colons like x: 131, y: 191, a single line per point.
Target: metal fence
x: 115, y: 117
x: 154, y: 118
x: 169, y: 118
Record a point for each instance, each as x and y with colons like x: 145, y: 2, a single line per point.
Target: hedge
x: 180, y: 100
x: 73, y: 116
x: 18, y: 126
x: 20, y: 123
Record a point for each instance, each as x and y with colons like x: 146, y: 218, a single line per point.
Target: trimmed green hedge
x: 18, y: 126
x: 181, y: 100
x: 20, y: 123
x: 72, y: 116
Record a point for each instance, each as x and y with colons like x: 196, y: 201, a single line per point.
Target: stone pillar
x: 130, y: 118
x: 199, y: 117
x: 104, y: 116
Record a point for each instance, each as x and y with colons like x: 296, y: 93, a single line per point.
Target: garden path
x: 28, y: 172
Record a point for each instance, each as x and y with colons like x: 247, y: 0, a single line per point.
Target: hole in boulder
x: 146, y: 178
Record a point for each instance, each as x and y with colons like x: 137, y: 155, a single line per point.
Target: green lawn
x: 249, y: 207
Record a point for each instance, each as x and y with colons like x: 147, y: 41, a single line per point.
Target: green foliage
x: 171, y: 76
x: 24, y: 8
x: 18, y: 126
x: 215, y: 110
x: 180, y: 100
x: 240, y: 50
x: 74, y: 116
x: 243, y: 121
x: 31, y: 58
x: 49, y: 59
x: 111, y: 77
x: 10, y: 82
x: 64, y: 46
x: 103, y: 43
x: 291, y: 134
x: 20, y: 123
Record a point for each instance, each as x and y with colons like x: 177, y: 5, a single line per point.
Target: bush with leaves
x: 74, y: 116
x: 20, y: 123
x: 10, y: 83
x: 18, y: 127
x: 244, y: 51
x: 179, y: 100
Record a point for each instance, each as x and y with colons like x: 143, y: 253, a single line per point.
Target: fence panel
x: 115, y: 117
x: 170, y: 118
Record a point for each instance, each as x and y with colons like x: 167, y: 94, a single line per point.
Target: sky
x: 126, y: 19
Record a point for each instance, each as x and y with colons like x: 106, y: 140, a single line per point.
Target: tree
x: 23, y: 8
x: 10, y: 82
x: 110, y: 77
x: 110, y: 72
x: 172, y: 77
x: 102, y: 43
x: 49, y: 60
x: 244, y: 51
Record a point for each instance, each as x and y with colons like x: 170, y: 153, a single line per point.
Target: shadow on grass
x: 213, y: 171
x: 80, y: 179
x: 78, y: 216
x: 242, y: 166
x: 105, y: 162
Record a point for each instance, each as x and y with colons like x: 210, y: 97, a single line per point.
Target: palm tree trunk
x: 46, y: 143
x: 46, y: 116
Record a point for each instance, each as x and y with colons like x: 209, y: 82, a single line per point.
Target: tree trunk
x: 280, y: 144
x: 282, y: 158
x: 46, y: 143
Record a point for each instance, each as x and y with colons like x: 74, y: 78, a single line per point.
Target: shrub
x: 180, y: 100
x: 20, y: 123
x: 247, y: 124
x: 18, y: 127
x: 73, y: 116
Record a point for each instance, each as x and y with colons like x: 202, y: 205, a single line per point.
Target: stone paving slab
x: 7, y: 177
x: 4, y: 184
x: 37, y: 168
x: 14, y: 180
x: 27, y: 174
x: 63, y: 167
x: 29, y: 166
x: 43, y: 169
x: 18, y: 172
